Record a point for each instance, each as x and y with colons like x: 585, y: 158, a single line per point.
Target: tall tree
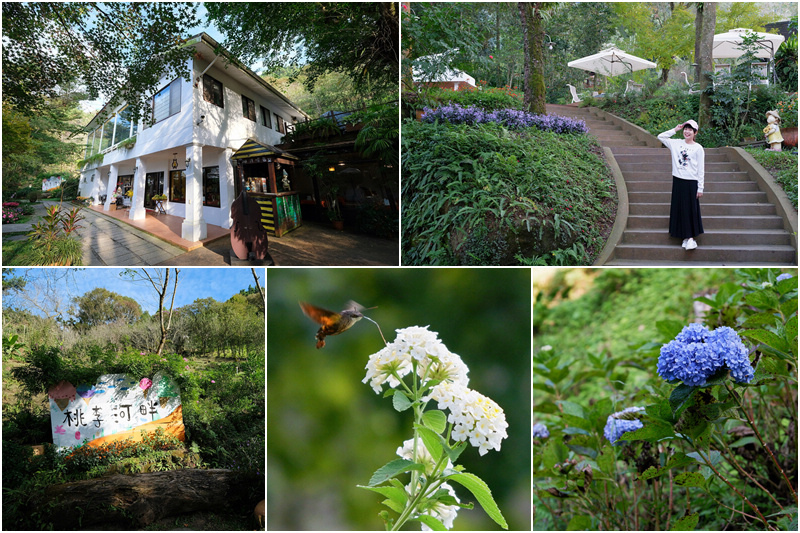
x: 101, y: 306
x: 160, y: 282
x: 533, y: 37
x: 705, y: 26
x: 117, y: 50
x: 356, y: 38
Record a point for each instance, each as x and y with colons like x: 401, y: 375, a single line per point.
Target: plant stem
x: 732, y: 460
x: 742, y: 496
x: 758, y: 435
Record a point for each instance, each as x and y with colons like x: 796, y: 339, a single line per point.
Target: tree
x: 260, y: 291
x: 118, y: 50
x: 355, y: 38
x: 160, y: 282
x: 705, y: 26
x: 42, y: 291
x: 533, y: 36
x: 101, y: 306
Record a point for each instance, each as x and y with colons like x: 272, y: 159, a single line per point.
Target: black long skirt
x: 684, y: 212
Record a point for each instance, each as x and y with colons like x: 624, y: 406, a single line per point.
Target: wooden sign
x: 117, y: 407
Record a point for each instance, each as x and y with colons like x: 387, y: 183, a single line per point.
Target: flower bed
x: 11, y: 212
x: 510, y: 118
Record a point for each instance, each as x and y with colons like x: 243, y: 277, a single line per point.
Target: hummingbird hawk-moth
x: 333, y: 323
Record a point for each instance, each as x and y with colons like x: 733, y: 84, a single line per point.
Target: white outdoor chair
x: 574, y: 92
x: 691, y: 86
x: 633, y: 87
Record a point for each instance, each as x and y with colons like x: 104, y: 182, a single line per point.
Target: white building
x: 53, y: 182
x: 186, y: 152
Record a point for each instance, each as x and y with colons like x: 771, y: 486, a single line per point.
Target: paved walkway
x: 111, y: 242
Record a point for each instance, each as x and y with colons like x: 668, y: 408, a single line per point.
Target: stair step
x: 714, y: 197
x: 666, y: 166
x: 710, y: 177
x: 665, y: 185
x: 756, y: 254
x: 662, y: 156
x: 661, y: 237
x: 707, y: 209
x: 738, y: 222
x: 652, y: 263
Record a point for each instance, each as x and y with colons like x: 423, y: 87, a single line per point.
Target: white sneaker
x: 683, y: 244
x: 691, y: 244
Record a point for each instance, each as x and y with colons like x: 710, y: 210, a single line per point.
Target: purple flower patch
x: 510, y: 118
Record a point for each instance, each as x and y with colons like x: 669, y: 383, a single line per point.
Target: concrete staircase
x: 742, y: 226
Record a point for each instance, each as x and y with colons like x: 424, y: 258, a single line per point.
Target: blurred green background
x: 327, y: 432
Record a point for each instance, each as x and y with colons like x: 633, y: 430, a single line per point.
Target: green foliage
x: 782, y: 166
x: 698, y: 444
x: 489, y: 98
x: 786, y: 64
x: 535, y: 192
x: 101, y: 306
x: 52, y: 234
x: 357, y: 39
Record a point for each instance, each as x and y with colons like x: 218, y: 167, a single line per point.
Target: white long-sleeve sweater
x: 688, y: 160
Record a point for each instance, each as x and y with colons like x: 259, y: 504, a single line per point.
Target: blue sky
x: 193, y: 284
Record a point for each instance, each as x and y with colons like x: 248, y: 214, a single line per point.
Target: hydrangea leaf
x: 554, y: 452
x: 687, y: 523
x: 786, y: 285
x: 791, y: 333
x: 391, y: 469
x: 760, y: 319
x: 580, y: 523
x: 483, y: 494
x: 571, y: 408
x: 660, y: 411
x: 763, y: 299
x: 669, y: 329
x: 651, y: 432
x: 713, y: 457
x: 435, y: 420
x: 680, y: 396
x: 789, y: 307
x: 690, y: 479
x: 679, y: 460
x: 583, y: 450
x: 717, y: 377
x: 607, y: 459
x: 576, y: 421
x: 429, y: 521
x: 767, y: 337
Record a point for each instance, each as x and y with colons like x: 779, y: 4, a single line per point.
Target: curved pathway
x: 741, y: 214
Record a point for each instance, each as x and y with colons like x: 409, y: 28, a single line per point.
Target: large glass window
x: 248, y: 108
x: 211, y: 186
x: 108, y: 135
x: 89, y: 145
x: 125, y: 127
x: 177, y: 186
x: 279, y: 124
x: 212, y: 91
x: 167, y: 101
x: 266, y: 119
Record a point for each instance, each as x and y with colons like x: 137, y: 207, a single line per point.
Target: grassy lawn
x: 782, y: 166
x: 16, y: 253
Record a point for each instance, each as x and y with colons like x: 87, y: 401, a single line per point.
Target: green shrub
x: 534, y: 191
x: 489, y: 98
x: 34, y: 195
x: 782, y: 166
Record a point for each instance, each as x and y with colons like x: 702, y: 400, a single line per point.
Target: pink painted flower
x: 77, y: 435
x: 212, y: 381
x: 60, y: 430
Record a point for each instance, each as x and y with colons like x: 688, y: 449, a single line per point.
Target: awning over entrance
x: 251, y: 150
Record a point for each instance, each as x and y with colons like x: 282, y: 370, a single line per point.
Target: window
x: 167, y: 101
x: 266, y: 119
x: 123, y: 125
x: 280, y: 124
x: 89, y: 145
x: 177, y: 186
x: 211, y: 186
x: 108, y: 135
x: 212, y: 91
x: 248, y: 108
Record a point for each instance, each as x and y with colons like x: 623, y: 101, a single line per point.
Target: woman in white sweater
x: 688, y: 176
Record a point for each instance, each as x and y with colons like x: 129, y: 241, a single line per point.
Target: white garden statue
x: 772, y: 132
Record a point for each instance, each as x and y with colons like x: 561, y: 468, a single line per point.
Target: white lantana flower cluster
x: 434, y: 360
x: 474, y: 416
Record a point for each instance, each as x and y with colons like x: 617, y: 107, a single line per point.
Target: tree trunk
x: 533, y: 36
x: 708, y: 24
x: 141, y: 499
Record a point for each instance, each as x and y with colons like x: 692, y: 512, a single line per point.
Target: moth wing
x: 353, y: 306
x: 319, y: 315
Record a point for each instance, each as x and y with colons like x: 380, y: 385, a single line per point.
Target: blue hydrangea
x: 622, y: 422
x: 540, y: 431
x: 783, y: 277
x: 697, y: 353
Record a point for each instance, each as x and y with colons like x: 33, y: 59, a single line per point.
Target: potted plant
x: 334, y: 212
x: 159, y: 197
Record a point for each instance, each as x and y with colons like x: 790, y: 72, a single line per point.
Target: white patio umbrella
x: 611, y: 62
x: 728, y: 45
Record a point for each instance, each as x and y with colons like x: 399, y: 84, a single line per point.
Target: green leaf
x: 768, y: 338
x: 579, y: 523
x: 680, y: 396
x: 396, y: 498
x: 583, y: 450
x: 607, y: 459
x: 791, y: 333
x: 690, y: 479
x: 429, y: 521
x: 763, y: 299
x: 435, y: 420
x: 400, y: 401
x: 554, y: 452
x: 743, y: 442
x: 651, y: 432
x: 786, y: 285
x: 669, y: 329
x: 454, y: 452
x: 789, y: 307
x: 431, y: 440
x: 759, y: 320
x: 571, y: 408
x: 687, y: 523
x: 391, y: 469
x: 481, y: 491
x: 575, y: 431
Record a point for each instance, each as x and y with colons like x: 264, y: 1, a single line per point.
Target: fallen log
x: 141, y: 499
